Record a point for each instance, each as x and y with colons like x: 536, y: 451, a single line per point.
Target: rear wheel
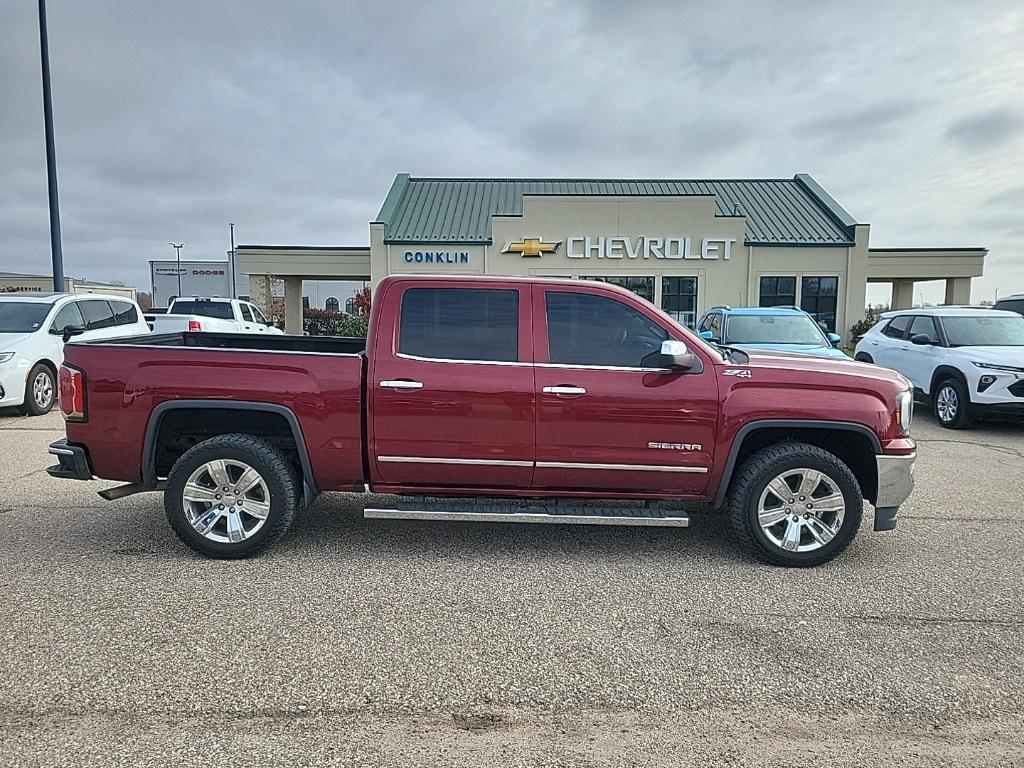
x: 953, y: 405
x: 863, y: 357
x: 795, y: 504
x: 231, y: 496
x: 40, y: 391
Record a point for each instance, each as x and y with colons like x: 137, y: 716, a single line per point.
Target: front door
x: 606, y: 423
x: 451, y: 388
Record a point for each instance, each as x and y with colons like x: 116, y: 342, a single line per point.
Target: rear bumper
x: 72, y: 462
x: 895, y: 483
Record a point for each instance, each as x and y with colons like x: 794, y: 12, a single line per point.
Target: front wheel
x: 40, y: 391
x: 953, y: 405
x: 231, y: 496
x: 795, y: 505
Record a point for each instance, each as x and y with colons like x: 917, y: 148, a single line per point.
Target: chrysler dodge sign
x: 648, y: 247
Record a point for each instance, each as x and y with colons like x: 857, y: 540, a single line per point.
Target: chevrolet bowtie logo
x: 530, y: 246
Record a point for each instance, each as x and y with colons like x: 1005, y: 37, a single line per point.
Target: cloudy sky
x: 291, y: 119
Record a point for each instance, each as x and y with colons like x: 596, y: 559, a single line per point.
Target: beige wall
x: 308, y: 263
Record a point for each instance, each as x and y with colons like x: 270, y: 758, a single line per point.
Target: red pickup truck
x: 492, y: 399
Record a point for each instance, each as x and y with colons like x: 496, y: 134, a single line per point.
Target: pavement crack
x: 998, y: 448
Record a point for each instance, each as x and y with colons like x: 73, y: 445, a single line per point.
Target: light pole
x: 56, y: 255
x: 231, y: 265
x: 177, y: 253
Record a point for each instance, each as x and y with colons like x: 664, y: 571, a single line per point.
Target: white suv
x: 33, y: 328
x: 968, y: 361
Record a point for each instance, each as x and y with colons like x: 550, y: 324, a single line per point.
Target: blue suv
x: 787, y: 329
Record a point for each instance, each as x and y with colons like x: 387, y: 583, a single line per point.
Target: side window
x: 925, y: 325
x: 705, y: 324
x: 897, y: 327
x: 716, y: 325
x: 596, y: 330
x: 124, y: 313
x: 257, y: 315
x: 67, y: 315
x: 97, y: 314
x: 246, y: 314
x: 460, y: 324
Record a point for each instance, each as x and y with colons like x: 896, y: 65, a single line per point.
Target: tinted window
x: 818, y: 299
x: 641, y: 286
x: 1011, y: 305
x: 97, y: 314
x: 67, y: 315
x: 923, y: 325
x: 777, y: 291
x: 246, y: 314
x: 218, y: 309
x: 982, y: 330
x: 460, y: 324
x: 597, y: 330
x: 22, y: 317
x: 679, y: 299
x: 897, y: 327
x: 124, y: 313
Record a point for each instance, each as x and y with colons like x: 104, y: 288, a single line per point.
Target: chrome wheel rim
x: 226, y: 501
x: 42, y: 390
x: 947, y: 403
x: 801, y: 510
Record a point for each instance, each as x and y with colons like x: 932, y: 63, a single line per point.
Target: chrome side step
x: 533, y: 513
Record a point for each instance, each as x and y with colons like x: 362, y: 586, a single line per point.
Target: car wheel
x: 231, y: 496
x: 795, y: 505
x: 40, y: 391
x: 863, y: 357
x: 952, y: 405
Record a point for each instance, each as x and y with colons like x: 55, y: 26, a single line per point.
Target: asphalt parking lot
x: 357, y: 642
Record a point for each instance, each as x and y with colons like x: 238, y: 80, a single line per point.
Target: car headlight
x: 994, y: 367
x: 905, y: 410
x: 6, y: 357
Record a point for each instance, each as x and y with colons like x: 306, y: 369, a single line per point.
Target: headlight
x: 905, y: 410
x: 6, y: 356
x: 993, y: 367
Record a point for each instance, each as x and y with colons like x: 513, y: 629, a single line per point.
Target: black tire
x: 40, y: 372
x: 753, y: 477
x: 864, y: 357
x: 280, y: 476
x: 962, y: 418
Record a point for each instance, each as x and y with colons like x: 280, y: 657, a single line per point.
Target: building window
x: 679, y: 299
x: 777, y: 291
x: 818, y: 299
x: 331, y: 305
x: 641, y: 286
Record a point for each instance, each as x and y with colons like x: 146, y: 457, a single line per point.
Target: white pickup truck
x: 216, y: 315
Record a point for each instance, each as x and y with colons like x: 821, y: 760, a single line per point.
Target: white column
x: 293, y: 305
x: 958, y: 290
x: 902, y: 294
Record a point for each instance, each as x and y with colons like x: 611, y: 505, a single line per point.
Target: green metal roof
x: 777, y: 211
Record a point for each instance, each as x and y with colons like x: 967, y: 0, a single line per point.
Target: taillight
x: 72, y: 393
x: 195, y: 325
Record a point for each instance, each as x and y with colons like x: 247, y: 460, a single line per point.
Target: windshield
x: 221, y: 309
x: 22, y: 316
x: 773, y: 329
x: 982, y: 331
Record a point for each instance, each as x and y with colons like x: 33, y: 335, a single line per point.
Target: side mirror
x: 673, y: 355
x: 68, y: 331
x: 834, y: 339
x: 921, y: 339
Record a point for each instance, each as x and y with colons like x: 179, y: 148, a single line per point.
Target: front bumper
x: 895, y: 483
x: 72, y: 462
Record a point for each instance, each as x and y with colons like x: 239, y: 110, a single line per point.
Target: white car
x: 33, y: 329
x: 967, y: 361
x: 214, y: 315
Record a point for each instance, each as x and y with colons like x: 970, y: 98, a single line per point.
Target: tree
x: 363, y: 300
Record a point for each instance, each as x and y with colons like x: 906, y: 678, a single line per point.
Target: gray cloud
x: 291, y: 119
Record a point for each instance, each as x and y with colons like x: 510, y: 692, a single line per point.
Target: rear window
x: 1011, y: 305
x: 897, y: 327
x: 124, y: 313
x: 97, y: 314
x: 460, y: 324
x: 218, y: 309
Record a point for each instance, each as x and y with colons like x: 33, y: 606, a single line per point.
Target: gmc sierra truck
x: 491, y: 399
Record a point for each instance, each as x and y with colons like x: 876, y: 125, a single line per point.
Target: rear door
x: 99, y: 319
x: 919, y: 361
x: 887, y: 350
x: 606, y: 423
x: 451, y: 387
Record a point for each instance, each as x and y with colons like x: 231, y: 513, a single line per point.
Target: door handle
x: 401, y: 384
x: 563, y: 390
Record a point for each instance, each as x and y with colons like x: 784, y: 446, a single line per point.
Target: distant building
x: 23, y: 283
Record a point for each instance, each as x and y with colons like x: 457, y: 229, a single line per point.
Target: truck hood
x: 806, y: 349
x: 1011, y: 356
x: 795, y: 367
x: 11, y: 340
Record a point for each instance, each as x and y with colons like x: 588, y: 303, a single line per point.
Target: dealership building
x: 684, y: 245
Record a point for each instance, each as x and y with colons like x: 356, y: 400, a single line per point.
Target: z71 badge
x: 743, y: 373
